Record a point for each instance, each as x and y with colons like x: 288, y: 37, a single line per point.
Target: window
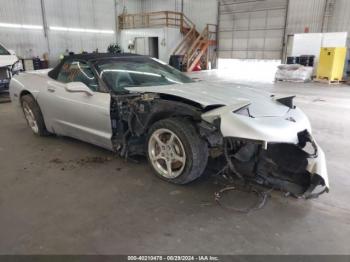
x: 78, y: 71
x: 3, y: 51
x: 132, y: 72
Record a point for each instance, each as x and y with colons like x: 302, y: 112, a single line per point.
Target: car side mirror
x: 12, y: 52
x: 78, y: 87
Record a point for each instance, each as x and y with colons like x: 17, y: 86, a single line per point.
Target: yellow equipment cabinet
x: 331, y: 64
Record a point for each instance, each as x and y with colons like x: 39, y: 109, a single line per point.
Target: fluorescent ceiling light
x: 80, y: 30
x: 7, y: 25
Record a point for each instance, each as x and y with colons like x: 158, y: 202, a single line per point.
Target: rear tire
x: 174, y: 144
x: 33, y: 115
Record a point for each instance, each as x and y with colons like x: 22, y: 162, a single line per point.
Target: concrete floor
x: 62, y: 196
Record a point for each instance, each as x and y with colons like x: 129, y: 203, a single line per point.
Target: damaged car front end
x: 277, y: 152
x: 262, y: 139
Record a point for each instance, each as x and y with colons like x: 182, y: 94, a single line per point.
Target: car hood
x: 209, y: 94
x: 7, y: 60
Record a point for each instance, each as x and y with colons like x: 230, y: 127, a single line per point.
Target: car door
x: 78, y: 114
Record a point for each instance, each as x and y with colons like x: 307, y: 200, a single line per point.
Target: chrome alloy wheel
x: 29, y: 115
x: 167, y: 153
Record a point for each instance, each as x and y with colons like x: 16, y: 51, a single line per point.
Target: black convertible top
x: 97, y: 56
x: 88, y: 57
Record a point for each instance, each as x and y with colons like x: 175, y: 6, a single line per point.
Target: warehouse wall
x: 83, y: 14
x: 315, y: 14
x: 100, y: 14
x: 318, y: 16
x: 340, y: 17
x: 131, y: 6
x: 86, y: 14
x: 26, y: 42
x: 201, y: 12
x: 252, y: 29
x: 167, y: 39
x: 302, y: 14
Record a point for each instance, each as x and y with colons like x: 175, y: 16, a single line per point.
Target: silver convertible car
x: 137, y: 105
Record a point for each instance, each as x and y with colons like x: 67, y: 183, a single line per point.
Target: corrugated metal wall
x: 313, y: 14
x: 167, y: 39
x: 88, y: 14
x: 340, y: 17
x: 131, y: 6
x: 100, y: 14
x: 304, y: 14
x: 25, y: 42
x: 84, y: 14
x: 161, y: 5
x: 201, y: 12
x: 252, y: 29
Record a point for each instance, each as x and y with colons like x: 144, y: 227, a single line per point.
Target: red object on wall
x: 306, y: 29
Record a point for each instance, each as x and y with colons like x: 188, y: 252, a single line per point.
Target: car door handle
x: 51, y: 89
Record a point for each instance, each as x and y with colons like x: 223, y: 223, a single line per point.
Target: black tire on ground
x: 34, y: 107
x: 195, y: 147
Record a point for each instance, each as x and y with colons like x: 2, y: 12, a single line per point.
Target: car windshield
x: 3, y: 51
x: 138, y: 71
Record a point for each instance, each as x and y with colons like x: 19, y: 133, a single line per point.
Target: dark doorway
x: 153, y: 47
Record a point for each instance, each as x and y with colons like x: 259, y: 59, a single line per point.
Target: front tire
x: 33, y: 115
x: 175, y: 151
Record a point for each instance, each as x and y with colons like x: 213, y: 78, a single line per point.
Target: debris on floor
x: 4, y: 97
x: 260, y: 199
x: 93, y: 160
x: 319, y: 100
x: 56, y: 161
x: 250, y: 197
x: 72, y: 164
x: 294, y: 73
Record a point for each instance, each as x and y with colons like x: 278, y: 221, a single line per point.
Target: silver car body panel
x: 76, y: 115
x: 7, y: 60
x: 88, y: 117
x: 208, y: 94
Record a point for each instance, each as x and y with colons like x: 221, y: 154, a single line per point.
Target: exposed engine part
x: 133, y: 114
x: 281, y: 166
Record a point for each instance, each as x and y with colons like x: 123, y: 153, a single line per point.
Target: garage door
x: 252, y: 29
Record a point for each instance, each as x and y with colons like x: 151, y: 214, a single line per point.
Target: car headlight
x: 17, y: 67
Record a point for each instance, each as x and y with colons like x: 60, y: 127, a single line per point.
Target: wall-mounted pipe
x: 284, y: 40
x: 45, y: 26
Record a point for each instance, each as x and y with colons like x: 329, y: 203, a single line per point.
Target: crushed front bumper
x: 292, y: 129
x: 319, y: 176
